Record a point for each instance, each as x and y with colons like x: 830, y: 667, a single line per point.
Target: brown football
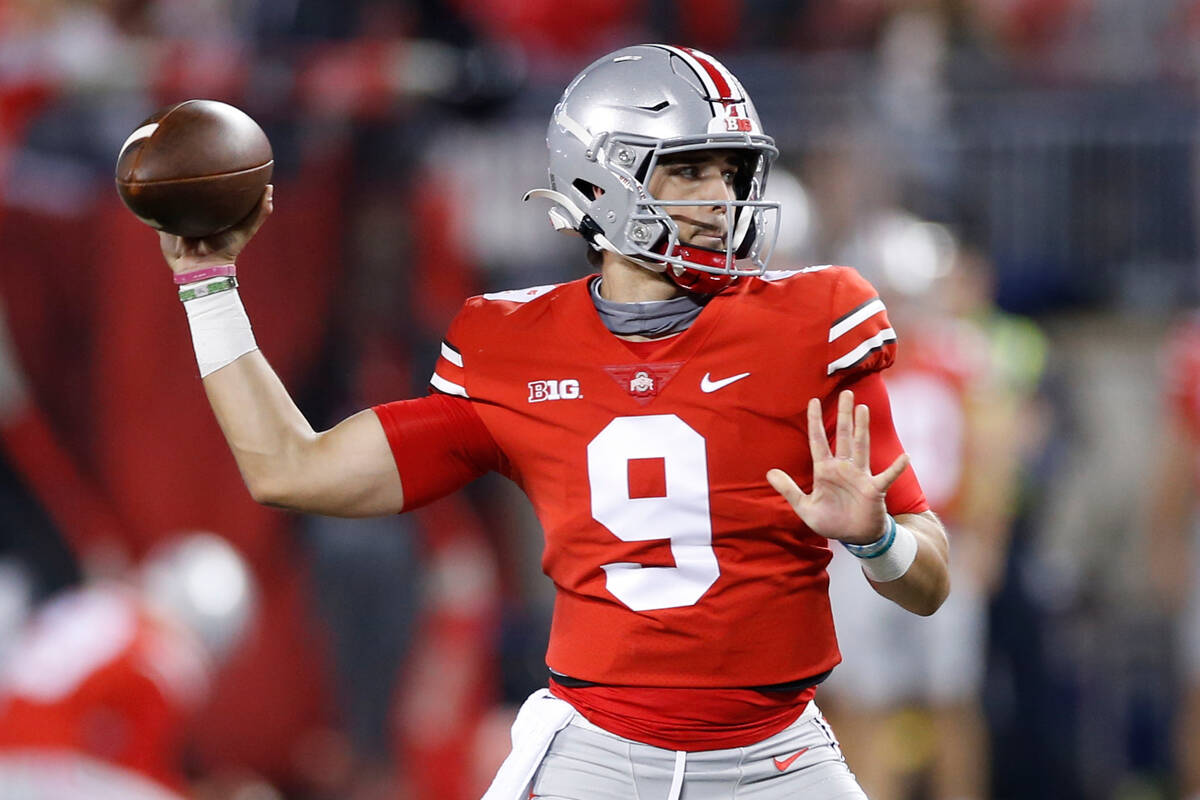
x: 194, y: 169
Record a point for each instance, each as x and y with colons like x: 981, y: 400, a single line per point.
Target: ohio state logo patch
x: 643, y: 382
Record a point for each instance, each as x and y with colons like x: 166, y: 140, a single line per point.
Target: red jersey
x: 943, y: 363
x: 97, y: 673
x: 1183, y: 373
x: 676, y: 563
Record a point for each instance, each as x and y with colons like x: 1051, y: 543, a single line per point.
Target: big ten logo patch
x: 736, y: 120
x: 565, y: 389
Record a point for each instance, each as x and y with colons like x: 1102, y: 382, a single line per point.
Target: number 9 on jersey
x: 680, y: 514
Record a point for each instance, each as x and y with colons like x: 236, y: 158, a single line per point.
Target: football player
x: 963, y: 415
x: 1171, y: 534
x: 100, y: 689
x: 693, y: 431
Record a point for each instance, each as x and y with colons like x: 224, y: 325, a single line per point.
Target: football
x: 194, y: 169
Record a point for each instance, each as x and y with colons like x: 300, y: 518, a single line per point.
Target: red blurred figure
x: 450, y: 685
x: 98, y: 694
x: 1172, y: 533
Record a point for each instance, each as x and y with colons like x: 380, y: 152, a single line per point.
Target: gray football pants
x: 802, y: 762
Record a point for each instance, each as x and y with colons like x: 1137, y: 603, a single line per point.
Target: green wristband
x: 216, y: 286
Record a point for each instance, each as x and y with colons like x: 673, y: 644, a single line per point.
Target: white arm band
x: 889, y: 558
x: 220, y: 330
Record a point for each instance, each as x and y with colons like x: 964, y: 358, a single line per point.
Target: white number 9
x: 681, y: 515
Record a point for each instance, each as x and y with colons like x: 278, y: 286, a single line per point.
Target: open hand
x: 846, y: 502
x: 185, y: 255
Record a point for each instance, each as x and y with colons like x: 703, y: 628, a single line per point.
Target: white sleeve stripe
x: 780, y: 274
x: 864, y: 348
x: 443, y: 385
x: 451, y: 355
x: 855, y: 317
x: 522, y: 295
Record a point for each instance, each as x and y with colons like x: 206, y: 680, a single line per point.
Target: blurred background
x: 1017, y: 176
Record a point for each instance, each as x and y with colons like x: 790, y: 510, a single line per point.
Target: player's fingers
x: 229, y: 243
x: 170, y: 244
x: 861, y: 452
x: 782, y: 482
x: 818, y: 444
x: 259, y: 215
x: 237, y: 236
x: 845, y: 424
x: 885, y: 479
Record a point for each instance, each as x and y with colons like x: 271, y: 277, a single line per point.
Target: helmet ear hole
x: 588, y: 190
x: 642, y: 169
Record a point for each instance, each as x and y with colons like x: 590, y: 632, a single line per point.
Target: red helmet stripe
x: 715, y: 72
x: 703, y: 72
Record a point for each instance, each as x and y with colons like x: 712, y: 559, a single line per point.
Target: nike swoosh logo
x: 709, y: 385
x: 787, y: 762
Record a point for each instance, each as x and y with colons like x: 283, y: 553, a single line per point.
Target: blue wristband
x: 878, y: 547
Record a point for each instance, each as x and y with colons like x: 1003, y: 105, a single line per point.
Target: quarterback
x: 693, y: 430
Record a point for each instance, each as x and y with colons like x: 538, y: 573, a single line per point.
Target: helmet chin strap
x: 695, y: 280
x: 699, y: 255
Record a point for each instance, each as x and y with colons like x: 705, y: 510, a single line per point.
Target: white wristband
x: 893, y: 562
x: 220, y: 330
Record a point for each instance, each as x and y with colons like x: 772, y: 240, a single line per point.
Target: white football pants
x: 559, y: 755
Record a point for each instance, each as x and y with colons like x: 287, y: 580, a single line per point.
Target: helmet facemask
x: 656, y: 238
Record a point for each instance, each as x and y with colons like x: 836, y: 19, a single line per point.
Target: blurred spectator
x: 1172, y: 535
x: 961, y: 415
x: 546, y: 32
x: 113, y: 671
x: 451, y: 683
x: 137, y: 474
x: 1026, y: 27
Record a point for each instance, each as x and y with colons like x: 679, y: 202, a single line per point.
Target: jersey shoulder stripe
x: 451, y: 354
x: 860, y: 336
x: 859, y: 353
x: 447, y: 387
x: 449, y: 377
x: 475, y: 321
x: 855, y: 317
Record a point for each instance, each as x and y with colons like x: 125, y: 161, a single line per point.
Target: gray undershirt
x: 650, y: 318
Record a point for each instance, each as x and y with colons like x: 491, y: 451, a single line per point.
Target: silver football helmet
x: 202, y: 582
x: 622, y: 115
